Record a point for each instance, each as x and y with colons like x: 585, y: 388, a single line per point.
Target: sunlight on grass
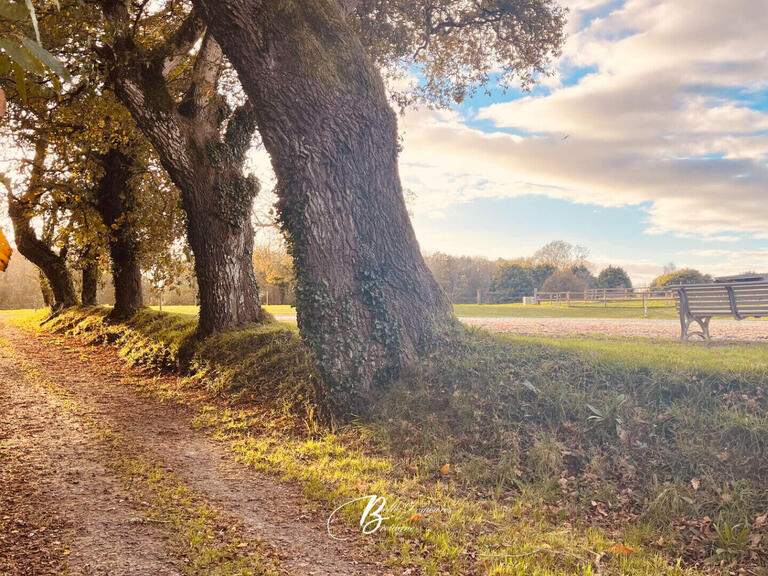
x: 718, y: 356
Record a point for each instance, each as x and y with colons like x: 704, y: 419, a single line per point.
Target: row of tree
x: 556, y: 267
x: 137, y: 154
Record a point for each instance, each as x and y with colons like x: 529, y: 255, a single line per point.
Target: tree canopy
x: 614, y: 277
x: 684, y: 276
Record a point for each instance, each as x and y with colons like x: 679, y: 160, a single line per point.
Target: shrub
x: 510, y: 283
x: 564, y: 281
x: 686, y: 276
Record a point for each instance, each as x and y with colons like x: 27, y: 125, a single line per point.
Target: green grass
x: 544, y: 310
x: 556, y: 448
x: 281, y: 309
x: 662, y: 353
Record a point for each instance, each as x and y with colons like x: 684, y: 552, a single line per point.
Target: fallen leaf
x: 695, y: 483
x: 760, y: 521
x: 619, y: 549
x: 362, y: 487
x: 416, y: 517
x: 445, y: 470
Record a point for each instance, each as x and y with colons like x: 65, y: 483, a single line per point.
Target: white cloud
x: 654, y: 123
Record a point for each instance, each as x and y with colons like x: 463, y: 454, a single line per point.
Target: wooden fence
x: 607, y: 296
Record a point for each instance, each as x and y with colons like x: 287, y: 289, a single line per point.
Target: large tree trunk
x: 207, y: 168
x: 90, y: 283
x: 115, y: 204
x: 53, y: 265
x: 366, y: 301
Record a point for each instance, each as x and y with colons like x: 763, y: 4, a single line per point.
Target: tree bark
x: 366, y: 301
x: 45, y: 288
x: 115, y: 204
x: 90, y: 283
x: 207, y: 168
x: 51, y: 264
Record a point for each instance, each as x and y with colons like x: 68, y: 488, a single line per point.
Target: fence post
x: 479, y: 299
x: 568, y: 299
x: 645, y: 304
x: 605, y: 298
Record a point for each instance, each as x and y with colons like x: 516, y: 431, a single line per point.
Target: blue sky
x: 649, y: 145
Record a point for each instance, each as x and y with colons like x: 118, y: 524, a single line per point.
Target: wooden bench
x: 699, y: 303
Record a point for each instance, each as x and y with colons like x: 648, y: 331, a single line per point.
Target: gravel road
x: 719, y: 329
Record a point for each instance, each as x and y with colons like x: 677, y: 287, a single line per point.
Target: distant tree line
x: 556, y: 267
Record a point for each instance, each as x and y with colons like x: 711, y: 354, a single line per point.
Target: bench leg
x: 703, y: 322
x: 684, y: 325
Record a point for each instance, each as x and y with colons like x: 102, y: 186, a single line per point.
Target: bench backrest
x: 739, y: 299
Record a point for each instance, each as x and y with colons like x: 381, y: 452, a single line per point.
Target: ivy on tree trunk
x: 366, y: 301
x: 207, y: 168
x: 90, y: 283
x: 115, y: 204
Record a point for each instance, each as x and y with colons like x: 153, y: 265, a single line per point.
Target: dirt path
x: 80, y: 513
x: 270, y: 511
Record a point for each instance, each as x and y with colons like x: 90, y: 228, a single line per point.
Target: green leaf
x: 46, y: 58
x: 33, y: 16
x: 5, y: 64
x: 595, y: 410
x: 21, y: 84
x: 14, y: 11
x: 21, y: 57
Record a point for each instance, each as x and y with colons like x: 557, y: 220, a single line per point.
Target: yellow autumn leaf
x: 5, y: 252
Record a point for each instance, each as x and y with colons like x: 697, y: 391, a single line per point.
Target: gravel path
x: 719, y: 329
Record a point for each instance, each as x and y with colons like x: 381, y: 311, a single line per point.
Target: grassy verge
x: 532, y: 456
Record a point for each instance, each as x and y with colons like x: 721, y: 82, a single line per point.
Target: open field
x: 646, y: 353
x: 590, y: 310
x: 549, y: 456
